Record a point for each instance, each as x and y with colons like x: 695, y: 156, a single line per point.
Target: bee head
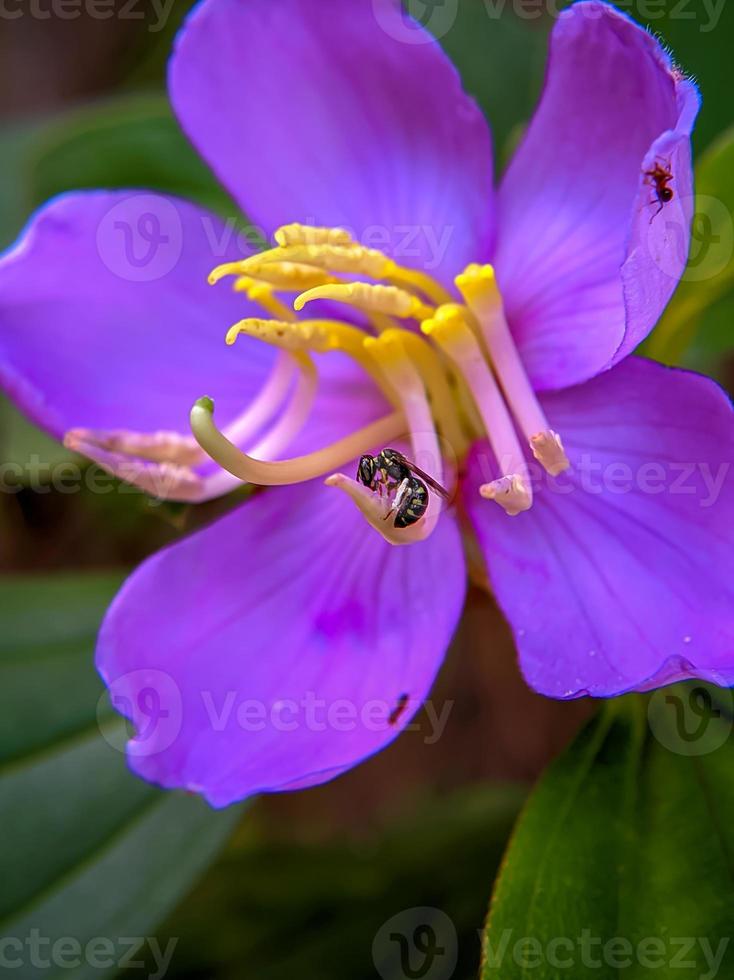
x: 366, y: 470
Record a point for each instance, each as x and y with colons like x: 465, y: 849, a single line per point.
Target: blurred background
x: 82, y: 104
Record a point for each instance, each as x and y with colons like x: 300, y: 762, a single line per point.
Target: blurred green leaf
x: 626, y: 845
x: 709, y: 275
x: 88, y: 851
x: 125, y: 142
x: 501, y: 59
x: 26, y: 447
x: 332, y: 899
x: 16, y: 143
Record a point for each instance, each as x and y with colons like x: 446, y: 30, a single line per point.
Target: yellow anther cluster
x: 296, y: 234
x: 386, y: 300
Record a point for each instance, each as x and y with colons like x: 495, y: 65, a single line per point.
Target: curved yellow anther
x: 386, y: 300
x: 295, y: 234
x: 227, y: 269
x: 288, y: 335
x: 290, y: 277
x: 349, y: 259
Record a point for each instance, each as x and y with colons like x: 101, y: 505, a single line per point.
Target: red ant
x: 660, y: 176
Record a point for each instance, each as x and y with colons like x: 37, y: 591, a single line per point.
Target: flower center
x: 450, y: 371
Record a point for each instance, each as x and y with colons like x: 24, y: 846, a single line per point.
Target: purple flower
x: 486, y: 332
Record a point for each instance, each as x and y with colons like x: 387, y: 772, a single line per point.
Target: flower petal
x: 269, y: 650
x: 108, y: 321
x: 621, y: 576
x: 110, y: 330
x: 657, y: 250
x: 338, y: 113
x: 575, y: 204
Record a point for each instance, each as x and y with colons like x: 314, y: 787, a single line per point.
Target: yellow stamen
x: 452, y: 333
x: 297, y: 470
x: 296, y: 234
x: 350, y: 259
x: 402, y: 275
x: 289, y: 277
x: 262, y: 294
x: 347, y: 259
x: 390, y: 354
x: 442, y: 403
x: 319, y: 336
x: 478, y: 285
x: 385, y: 300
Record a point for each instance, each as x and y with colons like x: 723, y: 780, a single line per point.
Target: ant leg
x: 660, y: 208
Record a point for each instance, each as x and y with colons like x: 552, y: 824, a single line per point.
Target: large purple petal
x: 294, y: 613
x: 621, y: 575
x: 108, y: 321
x: 575, y: 205
x: 338, y: 112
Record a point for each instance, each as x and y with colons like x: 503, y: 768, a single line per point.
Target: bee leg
x: 398, y: 499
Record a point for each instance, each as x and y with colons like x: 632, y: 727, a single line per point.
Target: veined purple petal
x: 108, y: 321
x: 338, y: 113
x: 575, y: 205
x: 270, y: 650
x: 110, y: 331
x: 657, y: 250
x: 621, y: 575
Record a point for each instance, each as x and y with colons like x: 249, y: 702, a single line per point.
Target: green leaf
x: 501, y: 60
x: 624, y: 853
x: 709, y: 275
x: 125, y: 142
x: 26, y: 451
x: 334, y: 897
x: 88, y: 851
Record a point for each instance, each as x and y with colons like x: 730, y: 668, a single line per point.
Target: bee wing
x: 441, y: 491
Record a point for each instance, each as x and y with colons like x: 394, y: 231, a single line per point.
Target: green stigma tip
x: 206, y: 403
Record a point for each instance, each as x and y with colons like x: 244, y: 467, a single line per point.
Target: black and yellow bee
x: 392, y: 472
